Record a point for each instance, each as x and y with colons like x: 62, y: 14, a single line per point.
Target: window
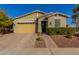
x: 50, y: 23
x: 57, y: 22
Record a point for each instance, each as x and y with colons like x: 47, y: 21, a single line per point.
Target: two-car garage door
x: 24, y: 28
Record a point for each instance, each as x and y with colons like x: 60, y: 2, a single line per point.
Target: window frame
x: 57, y: 23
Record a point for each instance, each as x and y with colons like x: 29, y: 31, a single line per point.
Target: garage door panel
x: 25, y: 28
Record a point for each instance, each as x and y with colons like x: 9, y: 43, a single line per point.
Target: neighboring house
x: 38, y: 21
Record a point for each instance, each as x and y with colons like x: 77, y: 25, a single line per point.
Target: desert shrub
x: 38, y: 38
x: 69, y: 33
x: 60, y: 31
x: 76, y: 34
x: 51, y: 31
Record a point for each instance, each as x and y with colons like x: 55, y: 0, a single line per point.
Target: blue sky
x: 14, y: 10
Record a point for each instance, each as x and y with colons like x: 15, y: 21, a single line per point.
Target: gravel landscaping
x: 40, y: 43
x: 63, y: 42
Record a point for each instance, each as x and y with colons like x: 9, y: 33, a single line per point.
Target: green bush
x: 69, y: 33
x: 76, y: 34
x: 60, y: 31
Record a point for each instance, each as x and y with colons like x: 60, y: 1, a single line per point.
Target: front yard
x: 28, y: 44
x: 63, y: 42
x: 23, y: 41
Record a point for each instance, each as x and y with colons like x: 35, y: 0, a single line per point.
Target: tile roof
x: 31, y: 13
x: 54, y: 13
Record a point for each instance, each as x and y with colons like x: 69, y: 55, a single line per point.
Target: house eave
x: 55, y: 13
x: 36, y: 11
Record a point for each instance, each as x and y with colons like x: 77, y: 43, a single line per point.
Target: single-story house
x: 38, y: 21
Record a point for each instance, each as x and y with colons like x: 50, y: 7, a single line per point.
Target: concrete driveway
x: 17, y: 41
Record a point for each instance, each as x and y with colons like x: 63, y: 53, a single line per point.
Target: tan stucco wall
x: 24, y: 28
x: 52, y: 20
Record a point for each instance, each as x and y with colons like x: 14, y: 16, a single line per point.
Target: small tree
x: 5, y: 21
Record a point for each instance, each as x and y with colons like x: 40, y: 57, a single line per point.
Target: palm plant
x: 76, y: 16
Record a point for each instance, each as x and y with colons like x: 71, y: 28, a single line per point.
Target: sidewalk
x: 65, y: 51
x: 42, y: 51
x: 27, y: 51
x: 49, y: 42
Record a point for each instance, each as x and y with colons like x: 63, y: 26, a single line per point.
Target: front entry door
x: 43, y: 25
